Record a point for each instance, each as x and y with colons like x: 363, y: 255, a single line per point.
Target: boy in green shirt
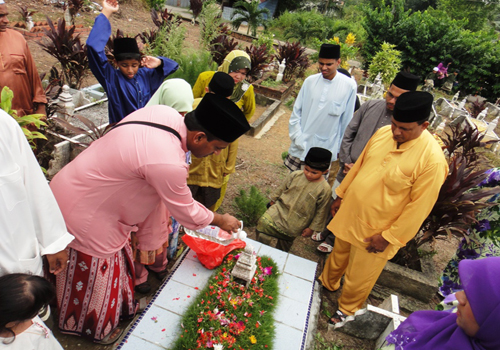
x: 300, y: 204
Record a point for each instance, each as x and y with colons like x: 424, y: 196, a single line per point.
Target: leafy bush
x: 67, y: 48
x: 259, y: 58
x: 192, y: 64
x: 250, y: 207
x: 168, y: 41
x: 305, y: 26
x: 296, y: 59
x: 265, y: 39
x: 34, y: 120
x: 387, y: 62
x: 210, y: 23
x: 426, y: 38
x: 155, y: 4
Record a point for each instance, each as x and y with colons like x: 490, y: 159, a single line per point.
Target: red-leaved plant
x: 296, y: 60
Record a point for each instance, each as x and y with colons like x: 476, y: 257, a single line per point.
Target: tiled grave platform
x: 159, y: 325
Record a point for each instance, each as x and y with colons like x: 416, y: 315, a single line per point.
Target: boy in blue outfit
x: 300, y: 205
x: 134, y: 82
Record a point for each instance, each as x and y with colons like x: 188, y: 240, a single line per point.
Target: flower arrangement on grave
x: 228, y: 316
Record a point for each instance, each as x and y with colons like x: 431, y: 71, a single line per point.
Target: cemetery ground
x: 259, y: 163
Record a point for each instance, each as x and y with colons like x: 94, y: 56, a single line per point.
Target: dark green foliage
x: 476, y: 13
x: 307, y: 25
x: 155, y: 4
x: 296, y: 60
x: 259, y: 57
x: 420, y: 5
x: 67, y: 48
x: 250, y: 207
x: 288, y: 5
x: 427, y: 38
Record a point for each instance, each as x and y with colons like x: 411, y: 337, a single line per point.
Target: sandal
x: 339, y: 319
x: 316, y: 237
x: 109, y: 339
x: 325, y: 248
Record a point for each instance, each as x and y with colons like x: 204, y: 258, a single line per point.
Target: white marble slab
x: 159, y: 326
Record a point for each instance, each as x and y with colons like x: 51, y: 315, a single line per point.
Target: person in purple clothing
x: 137, y: 78
x: 473, y: 326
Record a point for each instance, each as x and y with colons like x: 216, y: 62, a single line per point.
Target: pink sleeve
x: 169, y: 180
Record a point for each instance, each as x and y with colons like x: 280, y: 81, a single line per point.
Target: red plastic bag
x: 209, y: 253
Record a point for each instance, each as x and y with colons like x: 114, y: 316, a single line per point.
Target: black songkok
x: 221, y: 117
x: 329, y: 51
x: 406, y: 81
x: 221, y: 84
x: 318, y: 158
x: 126, y: 48
x: 412, y: 106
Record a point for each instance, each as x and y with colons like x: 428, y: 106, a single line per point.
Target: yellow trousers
x: 361, y: 270
x: 222, y: 194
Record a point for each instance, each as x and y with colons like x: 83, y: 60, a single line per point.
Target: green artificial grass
x: 227, y: 314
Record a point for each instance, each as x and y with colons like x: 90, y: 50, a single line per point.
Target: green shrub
x: 33, y: 119
x: 265, y: 39
x: 387, y: 62
x: 192, y: 64
x: 304, y: 26
x: 168, y: 41
x: 426, y: 38
x: 210, y: 23
x: 250, y: 207
x: 155, y: 4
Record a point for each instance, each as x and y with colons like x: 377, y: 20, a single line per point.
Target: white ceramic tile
x: 277, y: 255
x: 301, y: 267
x: 191, y: 255
x: 192, y: 273
x: 176, y: 297
x: 291, y: 312
x: 287, y: 338
x: 158, y: 326
x: 134, y: 343
x: 295, y: 288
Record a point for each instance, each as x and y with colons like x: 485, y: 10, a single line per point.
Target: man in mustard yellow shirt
x: 383, y: 201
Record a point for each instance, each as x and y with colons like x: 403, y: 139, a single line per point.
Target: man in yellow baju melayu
x: 383, y: 201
